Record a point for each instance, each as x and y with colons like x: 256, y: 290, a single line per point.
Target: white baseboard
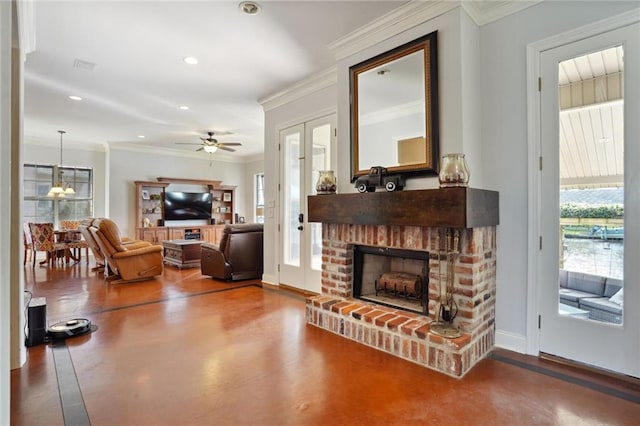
x: 511, y: 341
x: 270, y: 279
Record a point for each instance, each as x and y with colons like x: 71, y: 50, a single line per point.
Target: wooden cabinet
x: 158, y: 234
x: 176, y: 233
x: 155, y: 235
x: 209, y: 234
x: 150, y: 211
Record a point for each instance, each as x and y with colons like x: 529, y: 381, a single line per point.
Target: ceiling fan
x: 211, y: 144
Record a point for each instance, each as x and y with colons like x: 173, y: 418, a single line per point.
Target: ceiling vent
x: 85, y: 65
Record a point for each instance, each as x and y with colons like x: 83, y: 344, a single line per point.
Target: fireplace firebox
x: 392, y: 277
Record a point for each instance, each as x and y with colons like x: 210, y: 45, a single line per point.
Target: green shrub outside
x: 608, y: 211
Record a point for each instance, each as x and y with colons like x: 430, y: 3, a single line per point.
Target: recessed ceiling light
x: 141, y: 136
x: 190, y: 60
x: 75, y: 98
x: 249, y: 7
x: 184, y: 107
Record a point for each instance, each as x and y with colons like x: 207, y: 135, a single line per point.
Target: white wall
x: 128, y: 166
x: 452, y: 95
x: 504, y: 136
x: 482, y: 100
x: 5, y: 214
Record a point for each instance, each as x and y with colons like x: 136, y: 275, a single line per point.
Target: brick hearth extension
x: 405, y: 334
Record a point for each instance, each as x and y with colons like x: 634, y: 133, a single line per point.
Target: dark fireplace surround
x: 410, y: 222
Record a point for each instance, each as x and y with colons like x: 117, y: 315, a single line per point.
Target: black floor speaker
x: 36, y: 321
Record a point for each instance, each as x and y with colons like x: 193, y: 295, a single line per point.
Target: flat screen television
x: 187, y: 205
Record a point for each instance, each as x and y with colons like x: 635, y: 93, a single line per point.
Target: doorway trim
x: 535, y: 160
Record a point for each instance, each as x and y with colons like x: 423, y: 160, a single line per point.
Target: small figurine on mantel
x: 379, y: 176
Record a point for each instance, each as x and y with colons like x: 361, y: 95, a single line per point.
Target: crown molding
x: 416, y: 12
x: 144, y: 149
x: 55, y: 144
x: 393, y: 23
x: 493, y: 10
x: 300, y: 89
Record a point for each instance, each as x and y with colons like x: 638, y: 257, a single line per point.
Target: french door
x: 305, y: 149
x: 589, y: 109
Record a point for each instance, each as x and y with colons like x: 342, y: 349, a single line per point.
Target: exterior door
x: 590, y: 104
x: 305, y: 149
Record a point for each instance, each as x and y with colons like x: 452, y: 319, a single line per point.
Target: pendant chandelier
x: 60, y: 189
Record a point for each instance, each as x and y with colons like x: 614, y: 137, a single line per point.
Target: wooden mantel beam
x: 444, y: 207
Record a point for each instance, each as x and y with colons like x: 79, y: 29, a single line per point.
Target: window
x: 259, y: 198
x: 38, y: 207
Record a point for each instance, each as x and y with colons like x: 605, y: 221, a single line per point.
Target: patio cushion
x: 612, y: 286
x: 586, y: 282
x: 574, y: 295
x: 601, y: 303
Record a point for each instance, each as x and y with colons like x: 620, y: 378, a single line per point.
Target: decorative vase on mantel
x: 454, y: 171
x: 326, y: 183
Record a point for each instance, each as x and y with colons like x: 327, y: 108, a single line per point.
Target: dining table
x: 67, y: 236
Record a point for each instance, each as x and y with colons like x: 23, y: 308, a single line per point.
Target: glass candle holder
x: 326, y: 183
x: 454, y: 171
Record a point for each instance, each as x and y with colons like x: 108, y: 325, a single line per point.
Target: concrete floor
x: 184, y: 349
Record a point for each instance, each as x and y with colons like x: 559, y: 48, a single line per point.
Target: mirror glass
x: 394, y: 110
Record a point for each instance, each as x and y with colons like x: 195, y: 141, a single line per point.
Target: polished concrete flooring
x: 184, y: 349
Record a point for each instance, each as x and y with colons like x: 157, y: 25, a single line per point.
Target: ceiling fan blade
x: 187, y: 143
x: 199, y: 149
x: 224, y: 148
x: 229, y: 144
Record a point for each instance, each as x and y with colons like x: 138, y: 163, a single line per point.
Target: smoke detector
x: 249, y: 7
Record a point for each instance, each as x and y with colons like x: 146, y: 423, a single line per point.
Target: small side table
x: 182, y: 253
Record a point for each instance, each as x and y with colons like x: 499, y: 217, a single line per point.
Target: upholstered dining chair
x: 43, y: 239
x: 74, y: 239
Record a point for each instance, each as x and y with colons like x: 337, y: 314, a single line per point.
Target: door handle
x: 301, y: 217
x: 300, y: 228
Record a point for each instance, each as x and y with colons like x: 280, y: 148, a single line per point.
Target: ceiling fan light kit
x: 211, y: 145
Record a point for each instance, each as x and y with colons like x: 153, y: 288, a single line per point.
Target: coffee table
x: 182, y: 253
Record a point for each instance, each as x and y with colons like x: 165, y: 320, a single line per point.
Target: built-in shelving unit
x: 150, y: 224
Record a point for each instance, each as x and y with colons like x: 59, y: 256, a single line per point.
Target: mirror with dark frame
x: 394, y: 110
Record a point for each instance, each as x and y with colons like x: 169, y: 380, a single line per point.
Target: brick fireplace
x: 416, y: 221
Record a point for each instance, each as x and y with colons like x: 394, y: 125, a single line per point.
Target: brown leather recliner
x: 93, y: 245
x: 84, y: 229
x: 130, y: 262
x: 239, y: 255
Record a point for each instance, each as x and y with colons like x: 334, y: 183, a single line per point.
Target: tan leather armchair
x: 132, y: 261
x: 93, y: 245
x: 239, y: 255
x: 84, y: 229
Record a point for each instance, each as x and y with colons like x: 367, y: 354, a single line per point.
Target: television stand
x: 182, y: 253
